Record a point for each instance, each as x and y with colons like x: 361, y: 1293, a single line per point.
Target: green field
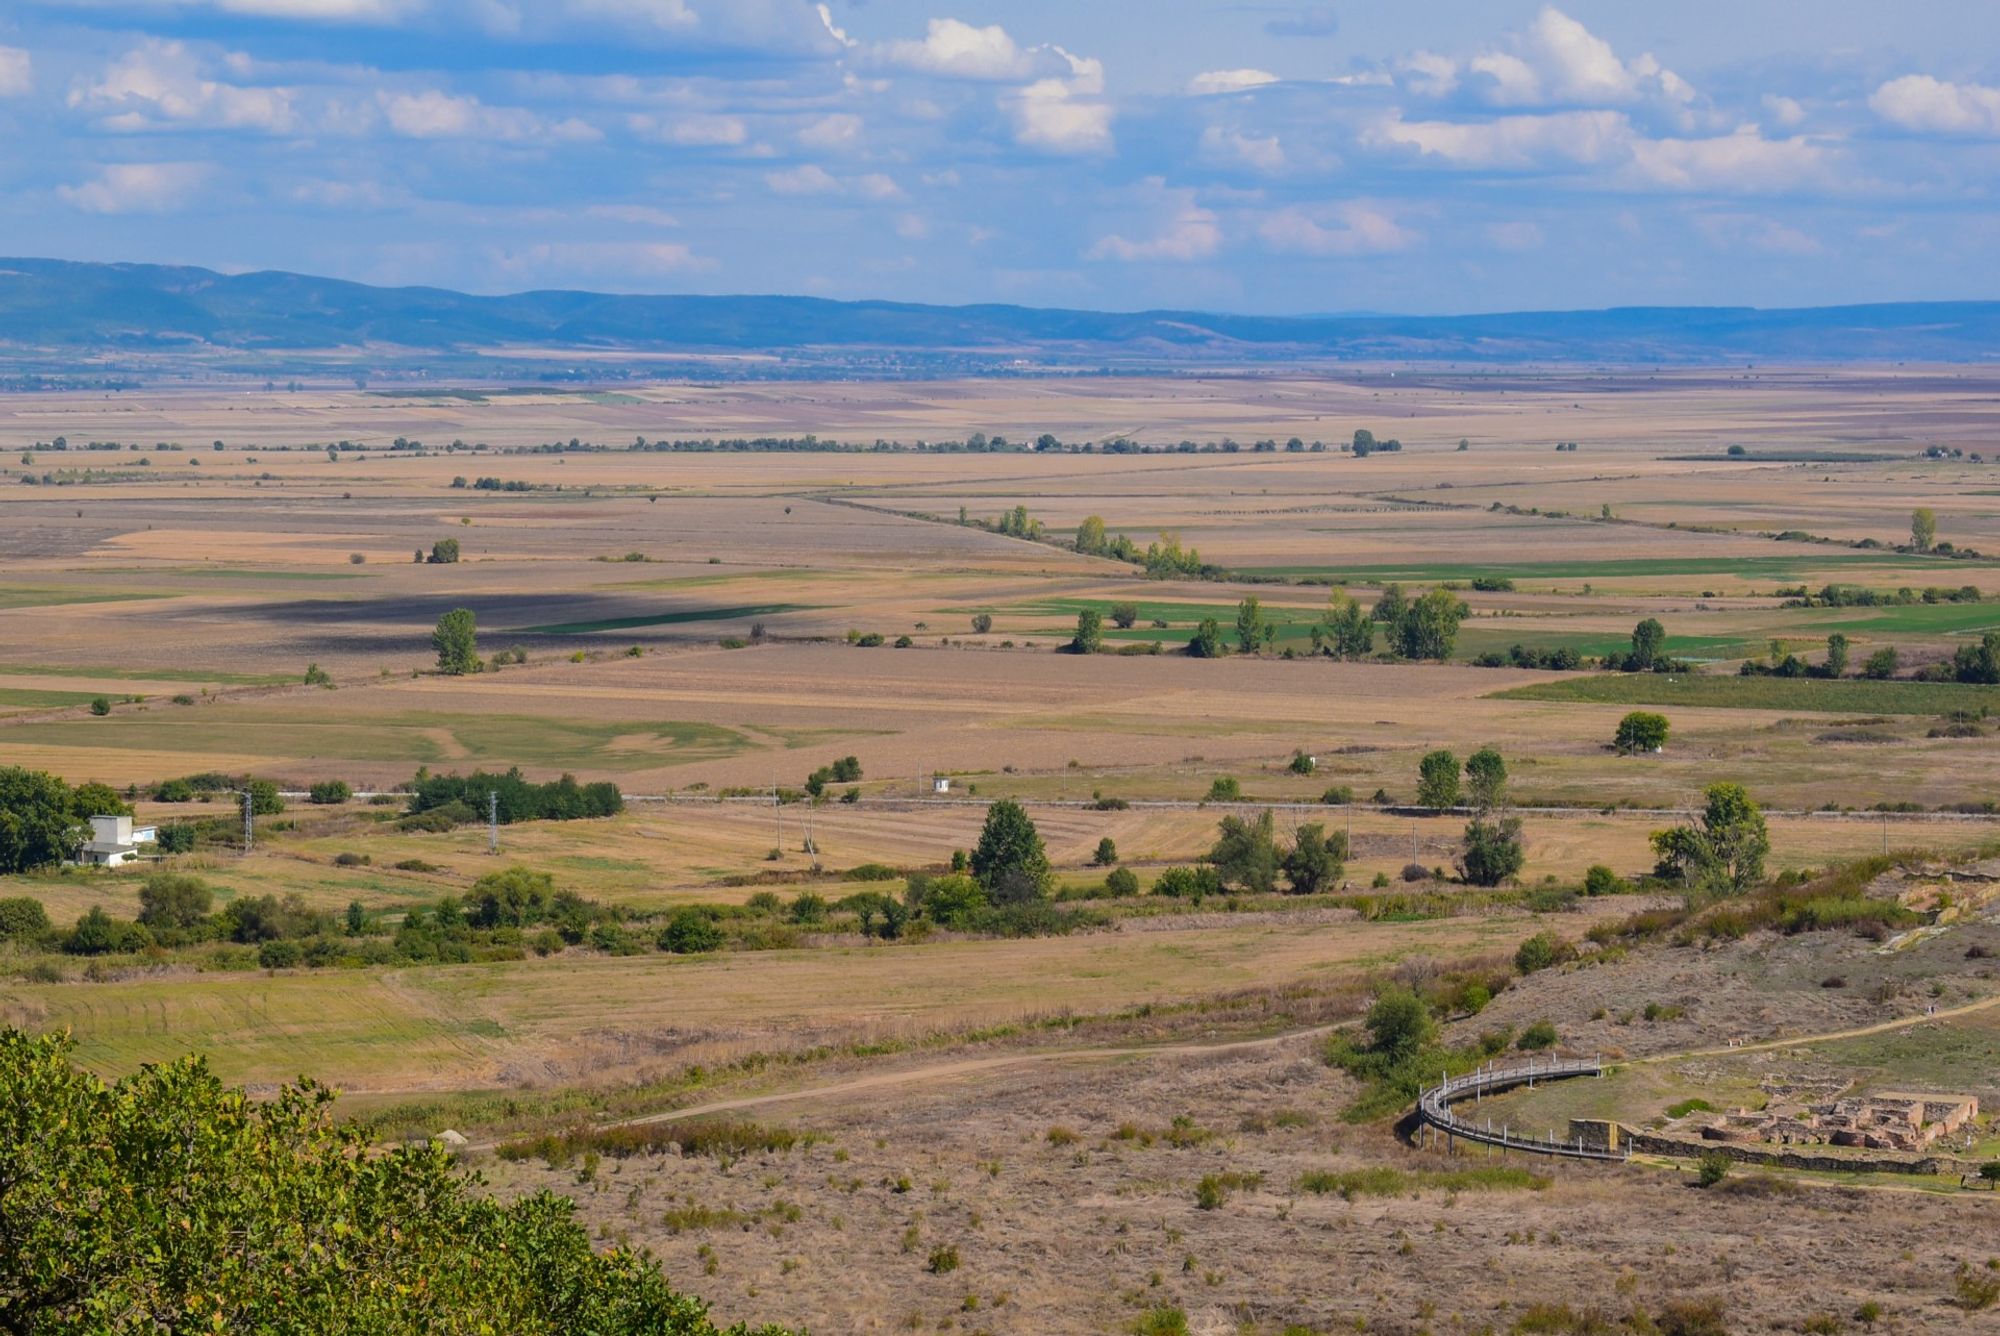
x: 414, y: 738
x: 27, y: 698
x: 683, y: 618
x: 42, y: 596
x: 1787, y: 567
x: 147, y: 674
x: 1848, y: 696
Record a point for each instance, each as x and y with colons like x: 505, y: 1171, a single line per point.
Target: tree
x: 1107, y: 852
x: 1009, y: 860
x: 1836, y: 655
x: 949, y: 901
x: 39, y: 823
x: 1245, y: 853
x: 1429, y: 628
x: 1249, y: 625
x: 1923, y: 528
x: 23, y: 919
x: 1346, y: 628
x: 1090, y: 535
x: 100, y: 706
x: 1492, y: 851
x: 1391, y: 606
x: 1641, y: 731
x: 329, y: 792
x: 1722, y: 852
x: 982, y: 622
x: 1316, y: 861
x: 1980, y: 663
x: 1648, y: 639
x: 1124, y: 615
x: 1882, y: 664
x: 167, y: 1201
x: 1437, y: 780
x: 94, y: 799
x: 1118, y: 883
x: 1089, y: 632
x: 174, y: 900
x: 176, y: 838
x: 317, y: 676
x: 1486, y: 778
x: 1399, y: 1024
x: 444, y: 552
x: 1206, y: 642
x: 456, y: 640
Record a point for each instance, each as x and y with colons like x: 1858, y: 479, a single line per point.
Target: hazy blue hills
x: 134, y: 308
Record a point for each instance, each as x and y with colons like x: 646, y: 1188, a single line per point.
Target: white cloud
x: 138, y: 187
x: 912, y: 226
x: 1339, y: 230
x: 806, y: 179
x: 1261, y: 152
x: 432, y: 114
x: 959, y: 50
x: 1556, y: 62
x: 1229, y: 81
x: 1189, y: 233
x: 17, y: 72
x: 1784, y: 110
x: 1513, y: 142
x: 326, y: 11
x: 1919, y: 102
x: 702, y: 131
x: 642, y: 214
x: 839, y: 130
x: 876, y: 185
x: 667, y: 15
x: 1743, y: 162
x: 159, y: 84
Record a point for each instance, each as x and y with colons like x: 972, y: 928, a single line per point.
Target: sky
x: 1271, y: 156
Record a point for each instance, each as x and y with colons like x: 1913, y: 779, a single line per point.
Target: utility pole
x: 492, y: 821
x: 249, y: 823
x: 778, y: 806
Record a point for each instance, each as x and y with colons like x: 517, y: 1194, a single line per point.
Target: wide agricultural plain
x: 1012, y: 1133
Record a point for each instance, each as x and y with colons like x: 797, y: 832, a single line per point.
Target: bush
x: 1121, y: 882
x: 23, y: 919
x: 690, y: 932
x: 176, y: 838
x: 1541, y: 951
x: 1712, y: 1168
x: 1188, y: 883
x: 1601, y: 880
x: 101, y: 706
x: 943, y: 1259
x: 330, y: 791
x: 1224, y: 790
x: 279, y: 955
x: 1340, y: 795
x: 982, y: 622
x: 1541, y: 1035
x: 1974, y: 1291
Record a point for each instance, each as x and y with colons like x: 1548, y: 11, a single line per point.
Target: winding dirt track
x: 937, y: 1073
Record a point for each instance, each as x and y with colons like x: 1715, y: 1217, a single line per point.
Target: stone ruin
x: 1887, y: 1120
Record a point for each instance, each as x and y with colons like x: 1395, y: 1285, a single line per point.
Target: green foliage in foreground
x: 1388, y: 1181
x: 168, y: 1202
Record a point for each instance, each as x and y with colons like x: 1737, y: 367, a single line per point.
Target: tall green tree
x: 1486, y: 778
x: 1437, y: 780
x: 1346, y: 631
x: 1245, y: 853
x: 1641, y: 731
x: 1391, y: 606
x: 39, y: 823
x: 456, y: 640
x: 1206, y: 642
x: 1723, y: 851
x: 1428, y: 629
x: 1090, y: 535
x: 1493, y: 850
x: 1316, y: 860
x: 1836, y: 655
x: 1648, y: 639
x: 1923, y: 528
x: 1249, y: 625
x: 1009, y: 861
x: 1089, y: 632
x: 169, y: 1202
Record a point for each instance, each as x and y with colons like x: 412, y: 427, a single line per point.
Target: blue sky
x: 1252, y: 155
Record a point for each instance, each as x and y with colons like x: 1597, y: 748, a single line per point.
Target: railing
x: 1434, y: 1106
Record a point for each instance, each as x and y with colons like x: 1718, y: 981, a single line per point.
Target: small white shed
x: 114, y: 841
x: 941, y: 784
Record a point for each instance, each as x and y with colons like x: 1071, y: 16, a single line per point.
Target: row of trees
x: 463, y: 798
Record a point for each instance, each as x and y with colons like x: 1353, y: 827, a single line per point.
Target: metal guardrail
x: 1434, y: 1106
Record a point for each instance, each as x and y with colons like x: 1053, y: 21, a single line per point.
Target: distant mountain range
x: 134, y: 314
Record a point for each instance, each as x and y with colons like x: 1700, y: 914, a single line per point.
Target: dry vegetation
x: 683, y: 622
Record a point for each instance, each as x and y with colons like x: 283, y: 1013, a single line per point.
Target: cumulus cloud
x: 1334, y: 231
x: 700, y: 131
x: 433, y: 114
x: 616, y: 261
x: 668, y: 15
x: 159, y: 84
x: 1557, y: 61
x: 1512, y: 142
x: 839, y: 130
x: 958, y: 50
x: 1744, y: 161
x: 1229, y: 81
x: 17, y: 72
x: 1784, y: 111
x: 138, y: 187
x: 1926, y: 105
x: 1190, y: 232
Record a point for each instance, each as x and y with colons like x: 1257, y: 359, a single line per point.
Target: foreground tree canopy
x: 168, y: 1202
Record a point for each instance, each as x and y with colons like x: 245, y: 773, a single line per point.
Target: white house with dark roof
x: 114, y: 841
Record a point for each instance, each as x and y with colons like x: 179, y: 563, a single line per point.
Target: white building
x: 114, y: 840
x: 941, y: 785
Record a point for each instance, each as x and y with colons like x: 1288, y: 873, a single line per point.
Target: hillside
x: 135, y: 310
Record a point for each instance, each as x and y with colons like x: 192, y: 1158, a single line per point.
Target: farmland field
x: 809, y: 673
